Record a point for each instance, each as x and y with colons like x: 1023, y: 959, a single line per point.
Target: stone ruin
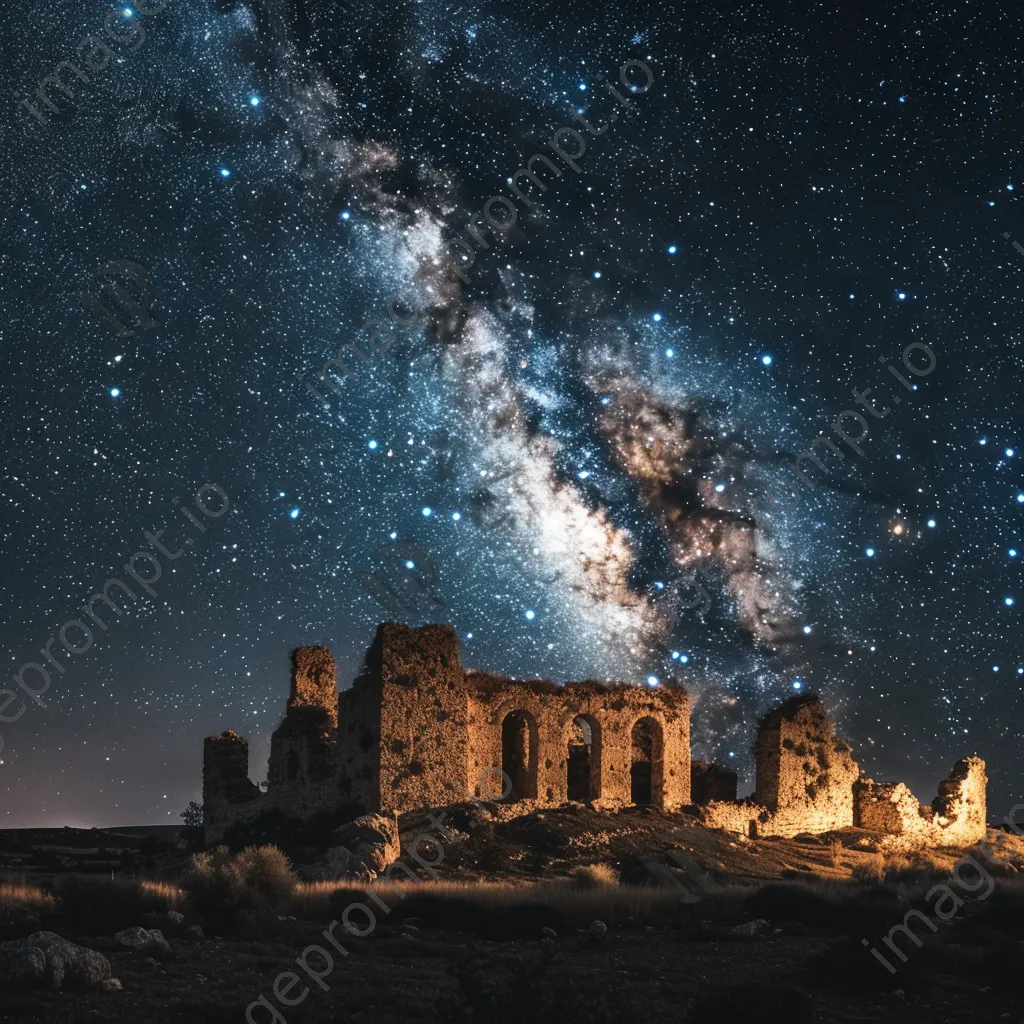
x: 808, y: 781
x: 417, y: 730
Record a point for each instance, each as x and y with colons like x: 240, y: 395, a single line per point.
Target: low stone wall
x: 955, y: 818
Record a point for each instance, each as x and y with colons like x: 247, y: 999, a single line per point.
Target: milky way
x: 583, y: 429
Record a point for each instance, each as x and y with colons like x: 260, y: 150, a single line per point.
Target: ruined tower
x: 805, y: 770
x: 228, y: 795
x: 303, y: 771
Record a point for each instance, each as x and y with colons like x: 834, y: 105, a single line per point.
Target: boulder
x: 143, y: 940
x: 173, y: 917
x: 195, y: 931
x: 45, y: 960
x: 372, y: 840
x: 749, y: 929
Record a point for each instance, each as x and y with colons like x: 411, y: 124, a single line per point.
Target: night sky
x: 601, y: 408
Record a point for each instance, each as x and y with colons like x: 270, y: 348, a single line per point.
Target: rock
x: 45, y: 960
x: 599, y: 929
x: 372, y: 840
x: 111, y: 985
x: 751, y: 928
x: 173, y: 917
x: 340, y: 861
x: 143, y: 940
x: 549, y: 933
x: 195, y: 931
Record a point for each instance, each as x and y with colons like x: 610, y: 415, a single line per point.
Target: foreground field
x: 578, y: 926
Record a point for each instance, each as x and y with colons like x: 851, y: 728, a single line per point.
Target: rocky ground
x: 702, y: 927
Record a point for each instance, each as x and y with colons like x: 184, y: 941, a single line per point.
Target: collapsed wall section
x: 710, y: 782
x: 956, y: 817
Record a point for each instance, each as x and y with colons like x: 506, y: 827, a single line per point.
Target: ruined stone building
x: 416, y: 729
x: 808, y: 781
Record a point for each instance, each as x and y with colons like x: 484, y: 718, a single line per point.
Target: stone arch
x: 519, y: 754
x: 583, y: 762
x: 647, y: 765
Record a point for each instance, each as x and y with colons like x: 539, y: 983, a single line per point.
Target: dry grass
x: 594, y: 876
x: 870, y: 869
x: 239, y: 891
x: 836, y: 849
x: 23, y: 896
x: 165, y: 891
x: 611, y: 903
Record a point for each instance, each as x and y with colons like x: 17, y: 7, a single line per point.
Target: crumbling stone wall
x: 808, y: 781
x: 423, y: 708
x: 228, y: 795
x: 956, y: 817
x: 303, y: 773
x: 416, y: 730
x: 610, y: 714
x: 805, y: 771
x: 709, y: 782
x: 315, y: 682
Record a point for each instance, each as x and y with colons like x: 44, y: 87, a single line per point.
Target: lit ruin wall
x: 417, y: 730
x: 956, y: 817
x: 808, y: 781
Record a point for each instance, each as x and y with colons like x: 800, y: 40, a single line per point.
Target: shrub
x: 239, y: 891
x: 870, y: 870
x: 594, y: 876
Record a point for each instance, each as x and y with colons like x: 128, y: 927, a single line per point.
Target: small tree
x: 193, y: 818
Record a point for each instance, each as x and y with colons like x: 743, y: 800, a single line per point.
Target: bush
x: 239, y: 891
x: 96, y: 905
x: 594, y: 876
x: 871, y: 870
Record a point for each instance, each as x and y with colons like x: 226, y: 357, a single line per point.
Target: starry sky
x: 602, y: 406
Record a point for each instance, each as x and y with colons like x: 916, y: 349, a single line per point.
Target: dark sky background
x: 803, y: 189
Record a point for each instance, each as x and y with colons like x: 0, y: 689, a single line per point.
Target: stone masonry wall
x: 710, y: 782
x: 303, y: 775
x: 956, y: 817
x: 423, y: 748
x: 416, y: 730
x: 610, y: 711
x: 228, y: 795
x: 805, y: 771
